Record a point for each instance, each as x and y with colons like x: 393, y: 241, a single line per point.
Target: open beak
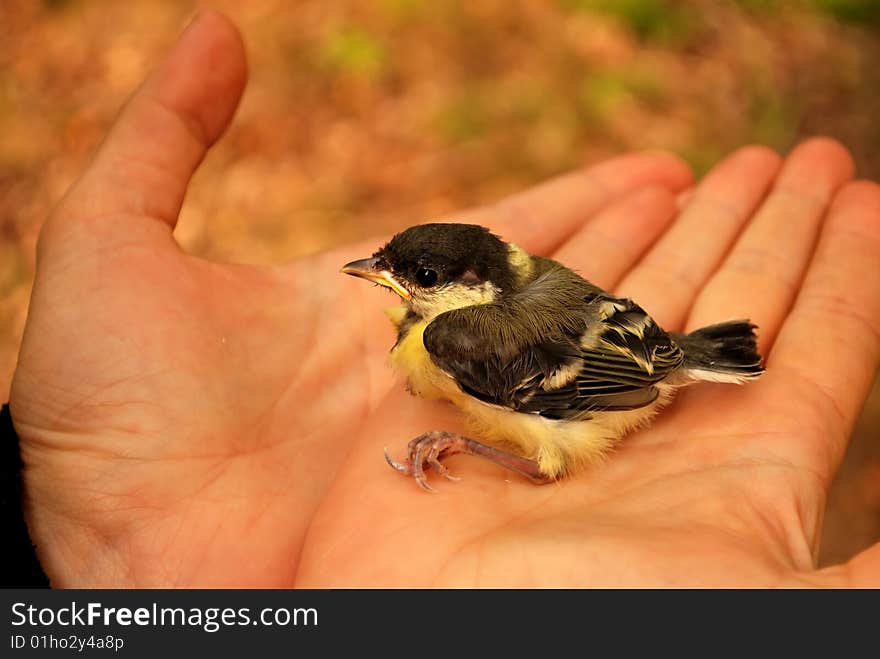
x: 368, y: 269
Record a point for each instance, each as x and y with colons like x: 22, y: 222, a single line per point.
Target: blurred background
x: 364, y: 117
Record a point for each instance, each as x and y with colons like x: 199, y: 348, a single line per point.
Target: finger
x: 828, y: 349
x: 760, y: 277
x: 684, y: 198
x: 610, y: 243
x: 863, y: 569
x: 666, y: 281
x: 145, y: 163
x: 542, y: 218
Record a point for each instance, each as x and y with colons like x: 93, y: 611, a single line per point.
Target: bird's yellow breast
x: 423, y: 377
x: 557, y: 446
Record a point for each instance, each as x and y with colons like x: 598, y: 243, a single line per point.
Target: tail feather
x: 726, y: 352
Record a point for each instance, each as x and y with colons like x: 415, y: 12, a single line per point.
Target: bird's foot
x: 425, y: 451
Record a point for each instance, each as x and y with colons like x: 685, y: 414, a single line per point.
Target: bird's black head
x: 440, y: 267
x: 432, y: 255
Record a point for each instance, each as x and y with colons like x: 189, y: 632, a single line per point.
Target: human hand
x: 180, y: 420
x: 182, y: 426
x: 728, y: 486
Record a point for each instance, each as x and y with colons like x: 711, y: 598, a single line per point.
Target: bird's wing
x: 606, y: 354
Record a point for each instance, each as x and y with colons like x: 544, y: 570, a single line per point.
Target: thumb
x: 145, y: 163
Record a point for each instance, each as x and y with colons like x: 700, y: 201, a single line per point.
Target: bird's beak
x: 368, y: 269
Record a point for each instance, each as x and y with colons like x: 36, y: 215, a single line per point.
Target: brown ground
x: 358, y: 121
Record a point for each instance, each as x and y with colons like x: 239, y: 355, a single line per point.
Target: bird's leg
x: 426, y: 450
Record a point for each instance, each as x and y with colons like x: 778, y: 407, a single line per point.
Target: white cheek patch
x: 429, y: 304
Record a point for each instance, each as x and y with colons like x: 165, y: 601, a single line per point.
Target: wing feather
x: 560, y: 348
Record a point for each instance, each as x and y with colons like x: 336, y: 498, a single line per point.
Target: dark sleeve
x: 19, y: 567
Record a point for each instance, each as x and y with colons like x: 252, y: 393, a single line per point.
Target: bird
x: 549, y: 370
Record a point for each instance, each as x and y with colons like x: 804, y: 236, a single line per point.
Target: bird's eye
x: 426, y: 277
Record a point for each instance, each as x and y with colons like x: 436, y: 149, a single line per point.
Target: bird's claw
x: 397, y: 466
x: 424, y: 452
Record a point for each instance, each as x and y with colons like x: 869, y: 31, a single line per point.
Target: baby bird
x: 549, y: 369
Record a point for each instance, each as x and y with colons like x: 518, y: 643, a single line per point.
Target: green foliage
x: 355, y: 51
x: 701, y: 157
x: 463, y: 117
x: 774, y: 119
x: 850, y: 11
x: 661, y: 22
x: 603, y: 91
x: 646, y: 87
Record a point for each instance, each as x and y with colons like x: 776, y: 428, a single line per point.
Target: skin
x: 181, y: 426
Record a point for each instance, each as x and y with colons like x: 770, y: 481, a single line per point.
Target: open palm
x: 192, y: 423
